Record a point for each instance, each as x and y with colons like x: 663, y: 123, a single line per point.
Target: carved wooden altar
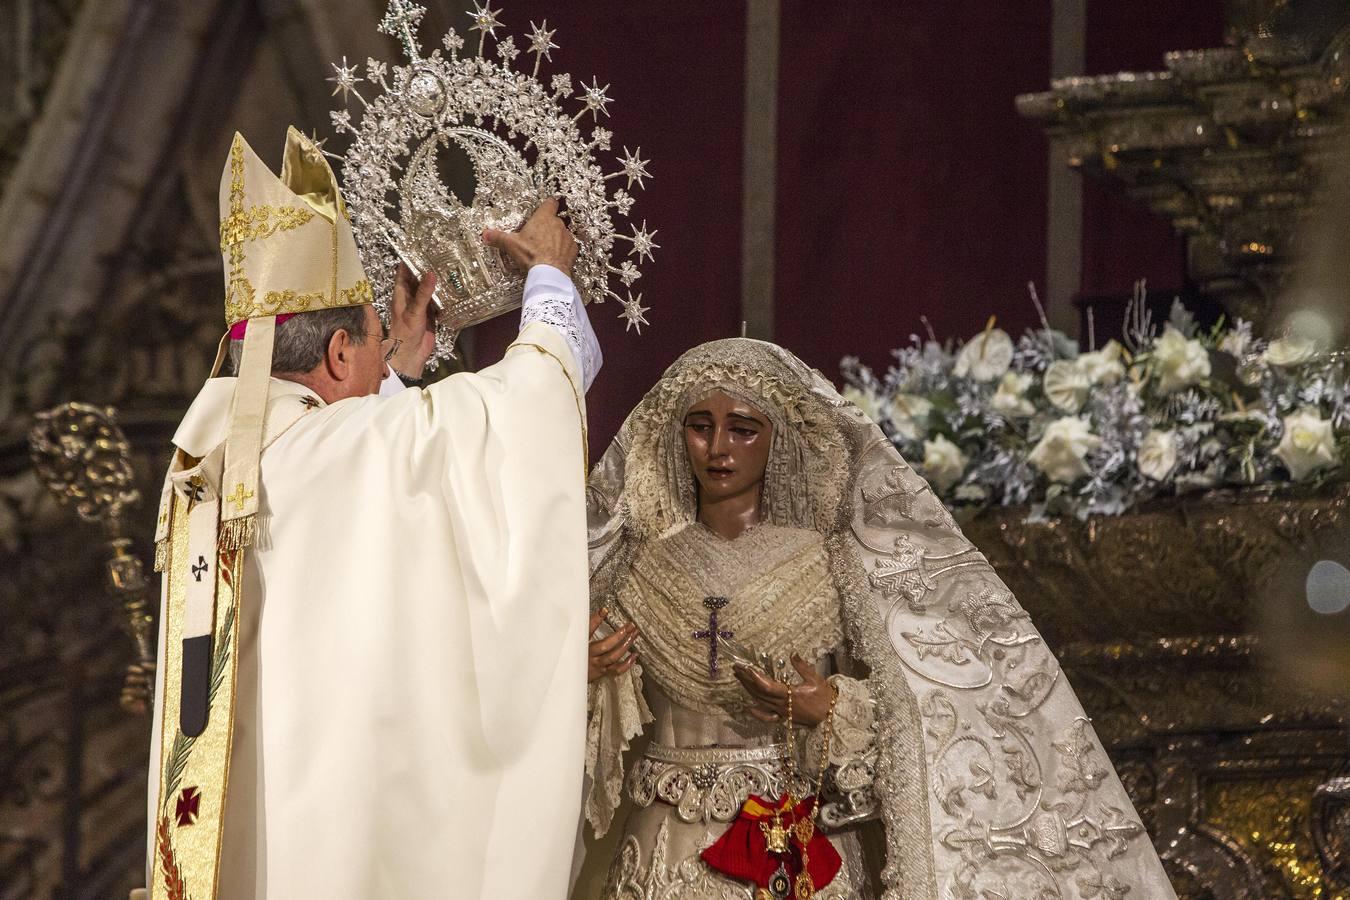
x: 1163, y: 622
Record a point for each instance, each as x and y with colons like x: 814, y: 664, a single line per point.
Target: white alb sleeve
x: 551, y: 298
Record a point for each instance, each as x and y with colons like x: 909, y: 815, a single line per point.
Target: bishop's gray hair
x: 302, y: 340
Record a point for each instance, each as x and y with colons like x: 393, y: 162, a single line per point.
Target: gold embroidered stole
x: 203, y: 566
x: 194, y: 771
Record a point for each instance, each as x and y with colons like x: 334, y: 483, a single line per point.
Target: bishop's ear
x: 339, y: 356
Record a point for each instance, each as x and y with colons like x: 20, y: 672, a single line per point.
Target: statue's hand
x: 810, y: 699
x: 612, y: 654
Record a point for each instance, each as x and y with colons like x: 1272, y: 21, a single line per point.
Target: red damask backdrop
x: 908, y: 186
x: 1121, y: 241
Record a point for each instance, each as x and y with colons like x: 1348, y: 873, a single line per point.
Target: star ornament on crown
x: 523, y: 147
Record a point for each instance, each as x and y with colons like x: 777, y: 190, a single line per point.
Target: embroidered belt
x: 706, y: 784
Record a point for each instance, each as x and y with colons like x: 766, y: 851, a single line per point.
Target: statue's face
x: 728, y: 445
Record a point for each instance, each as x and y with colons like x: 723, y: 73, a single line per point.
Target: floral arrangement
x: 1040, y: 421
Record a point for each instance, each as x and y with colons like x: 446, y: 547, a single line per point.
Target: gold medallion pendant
x: 775, y: 835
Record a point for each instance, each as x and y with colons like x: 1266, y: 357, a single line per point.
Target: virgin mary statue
x: 822, y: 659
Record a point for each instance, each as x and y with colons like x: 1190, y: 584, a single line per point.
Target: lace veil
x: 988, y: 778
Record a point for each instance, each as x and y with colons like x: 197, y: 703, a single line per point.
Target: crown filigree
x: 522, y: 146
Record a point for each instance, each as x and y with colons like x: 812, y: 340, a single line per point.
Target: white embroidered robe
x: 411, y: 686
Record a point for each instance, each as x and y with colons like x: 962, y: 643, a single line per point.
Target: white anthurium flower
x: 972, y: 493
x: 1290, y: 351
x: 943, y: 463
x: 1236, y: 342
x: 909, y: 415
x: 866, y: 401
x: 1179, y: 362
x: 1010, y: 400
x: 987, y: 356
x: 1066, y: 385
x: 1309, y: 444
x: 1103, y: 366
x: 1062, y: 451
x: 1158, y: 454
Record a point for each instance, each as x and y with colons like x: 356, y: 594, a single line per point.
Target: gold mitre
x: 287, y: 242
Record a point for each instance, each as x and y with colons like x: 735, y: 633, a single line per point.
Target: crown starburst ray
x: 642, y: 242
x: 634, y: 168
x: 522, y: 146
x: 485, y: 22
x: 344, y: 79
x: 541, y: 42
x: 632, y: 313
x: 595, y: 99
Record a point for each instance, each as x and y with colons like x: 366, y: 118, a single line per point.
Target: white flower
x: 1066, y: 385
x: 1103, y: 366
x: 1062, y: 451
x: 1309, y: 444
x: 1158, y: 454
x: 909, y: 415
x: 1250, y: 372
x: 972, y: 493
x: 1290, y: 351
x: 1236, y: 342
x: 866, y: 401
x: 986, y: 357
x: 943, y: 463
x: 1179, y: 362
x: 1010, y: 399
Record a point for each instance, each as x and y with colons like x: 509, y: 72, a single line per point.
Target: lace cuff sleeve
x: 551, y: 298
x: 617, y: 713
x: 854, y: 724
x: 853, y: 755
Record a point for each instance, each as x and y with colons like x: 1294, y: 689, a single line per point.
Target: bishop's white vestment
x: 410, y: 697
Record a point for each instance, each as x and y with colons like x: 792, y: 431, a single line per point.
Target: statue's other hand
x: 810, y: 699
x: 610, y: 654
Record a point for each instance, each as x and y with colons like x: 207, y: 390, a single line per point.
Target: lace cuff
x: 551, y: 298
x: 849, y: 796
x: 617, y: 713
x: 854, y: 729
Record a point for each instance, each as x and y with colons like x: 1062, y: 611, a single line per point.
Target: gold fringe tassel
x: 161, y: 554
x: 236, y: 534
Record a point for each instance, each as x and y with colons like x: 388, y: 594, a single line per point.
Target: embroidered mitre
x: 287, y: 241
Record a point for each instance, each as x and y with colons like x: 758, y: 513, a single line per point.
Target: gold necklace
x: 776, y: 833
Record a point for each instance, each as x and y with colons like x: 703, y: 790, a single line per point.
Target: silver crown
x: 522, y: 147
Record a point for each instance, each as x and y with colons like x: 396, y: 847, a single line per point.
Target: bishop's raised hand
x: 542, y: 241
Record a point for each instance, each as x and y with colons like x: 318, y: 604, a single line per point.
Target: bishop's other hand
x: 412, y: 322
x: 542, y: 241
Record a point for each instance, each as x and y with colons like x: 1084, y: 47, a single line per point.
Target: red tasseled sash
x: 742, y: 852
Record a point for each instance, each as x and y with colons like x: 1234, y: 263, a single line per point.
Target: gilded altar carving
x: 1153, y: 616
